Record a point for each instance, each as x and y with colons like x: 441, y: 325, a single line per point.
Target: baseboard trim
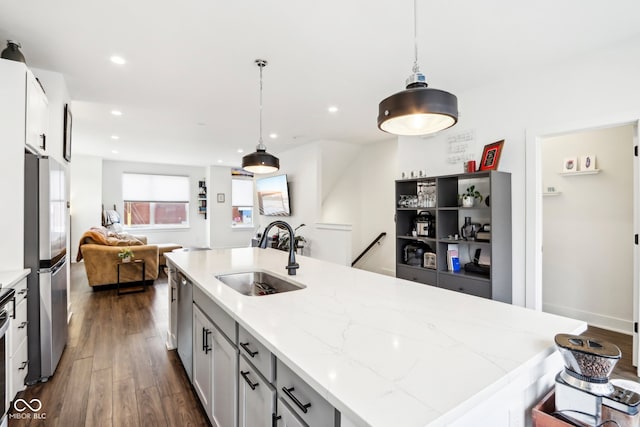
x: 601, y: 321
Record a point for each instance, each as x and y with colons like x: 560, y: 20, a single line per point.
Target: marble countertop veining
x: 376, y: 347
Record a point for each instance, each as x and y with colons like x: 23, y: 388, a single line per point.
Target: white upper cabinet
x: 37, y: 116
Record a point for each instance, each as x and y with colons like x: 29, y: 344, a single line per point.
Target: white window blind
x: 241, y: 192
x: 155, y: 188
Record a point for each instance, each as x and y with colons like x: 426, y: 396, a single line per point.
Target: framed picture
x: 67, y: 133
x: 220, y: 197
x: 570, y: 164
x: 491, y: 156
x: 588, y: 162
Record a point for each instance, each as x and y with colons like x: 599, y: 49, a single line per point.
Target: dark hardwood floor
x: 624, y: 368
x: 116, y: 370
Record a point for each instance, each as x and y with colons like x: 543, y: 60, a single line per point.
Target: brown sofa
x: 99, y: 248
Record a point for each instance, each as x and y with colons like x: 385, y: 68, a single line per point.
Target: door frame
x: 533, y: 206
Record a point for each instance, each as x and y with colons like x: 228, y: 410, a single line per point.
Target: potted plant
x: 126, y: 254
x: 299, y: 241
x: 469, y: 196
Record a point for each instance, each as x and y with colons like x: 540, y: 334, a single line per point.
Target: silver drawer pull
x: 23, y: 365
x: 303, y: 406
x: 23, y: 324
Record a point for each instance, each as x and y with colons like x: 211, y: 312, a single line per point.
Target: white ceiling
x: 190, y: 90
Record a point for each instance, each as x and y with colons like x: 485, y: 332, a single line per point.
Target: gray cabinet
x: 203, y: 358
x: 185, y: 323
x: 215, y: 360
x: 256, y: 397
x: 224, y: 387
x: 286, y: 417
x: 438, y: 200
x: 308, y: 405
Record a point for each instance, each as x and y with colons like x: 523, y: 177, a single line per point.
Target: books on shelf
x: 453, y: 260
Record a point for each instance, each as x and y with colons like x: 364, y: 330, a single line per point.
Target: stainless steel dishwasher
x: 185, y: 323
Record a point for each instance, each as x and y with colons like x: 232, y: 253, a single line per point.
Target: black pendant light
x: 418, y: 110
x: 260, y: 161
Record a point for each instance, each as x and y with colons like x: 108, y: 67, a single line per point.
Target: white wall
x: 302, y: 167
x: 194, y: 236
x: 599, y: 84
x: 364, y: 197
x: 221, y: 233
x: 587, y: 229
x: 85, y: 196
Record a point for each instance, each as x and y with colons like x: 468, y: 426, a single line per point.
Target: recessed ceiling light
x: 219, y: 161
x: 240, y: 150
x: 273, y: 135
x: 116, y: 112
x: 114, y: 151
x: 116, y: 137
x: 333, y: 109
x: 118, y: 60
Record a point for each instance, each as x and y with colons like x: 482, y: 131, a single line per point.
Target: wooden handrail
x: 376, y: 240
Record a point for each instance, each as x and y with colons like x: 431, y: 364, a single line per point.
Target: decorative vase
x: 12, y: 52
x: 468, y: 201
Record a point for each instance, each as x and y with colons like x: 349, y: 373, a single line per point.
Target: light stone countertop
x: 9, y: 278
x: 383, y: 351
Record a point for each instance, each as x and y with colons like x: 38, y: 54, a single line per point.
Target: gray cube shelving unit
x: 449, y: 218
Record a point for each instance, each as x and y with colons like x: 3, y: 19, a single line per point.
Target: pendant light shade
x: 260, y: 162
x: 418, y: 110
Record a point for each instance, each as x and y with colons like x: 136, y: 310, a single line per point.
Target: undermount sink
x: 257, y: 283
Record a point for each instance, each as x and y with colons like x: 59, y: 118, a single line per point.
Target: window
x: 241, y: 202
x: 155, y: 200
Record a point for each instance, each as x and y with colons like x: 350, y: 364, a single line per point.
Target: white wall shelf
x: 591, y: 172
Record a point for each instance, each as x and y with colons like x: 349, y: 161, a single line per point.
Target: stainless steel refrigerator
x: 45, y: 240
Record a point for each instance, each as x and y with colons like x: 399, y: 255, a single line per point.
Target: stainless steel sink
x: 258, y: 283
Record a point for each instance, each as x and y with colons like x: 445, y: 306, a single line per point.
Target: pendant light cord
x: 416, y: 68
x: 261, y: 65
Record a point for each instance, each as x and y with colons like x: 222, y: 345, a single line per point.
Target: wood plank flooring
x: 116, y: 370
x: 624, y: 368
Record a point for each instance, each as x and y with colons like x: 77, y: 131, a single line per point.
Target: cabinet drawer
x: 256, y: 397
x: 416, y: 274
x: 301, y: 397
x: 18, y: 372
x: 21, y: 290
x: 256, y: 353
x: 220, y: 318
x: 467, y: 285
x: 18, y: 328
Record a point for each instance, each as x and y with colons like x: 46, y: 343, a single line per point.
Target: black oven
x: 6, y: 297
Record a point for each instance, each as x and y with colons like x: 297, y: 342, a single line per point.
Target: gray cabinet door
x: 286, y: 417
x: 202, y: 357
x: 256, y: 397
x: 225, y: 368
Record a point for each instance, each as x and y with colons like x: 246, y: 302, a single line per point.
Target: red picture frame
x: 491, y: 156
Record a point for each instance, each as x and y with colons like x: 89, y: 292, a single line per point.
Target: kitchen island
x: 389, y: 352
